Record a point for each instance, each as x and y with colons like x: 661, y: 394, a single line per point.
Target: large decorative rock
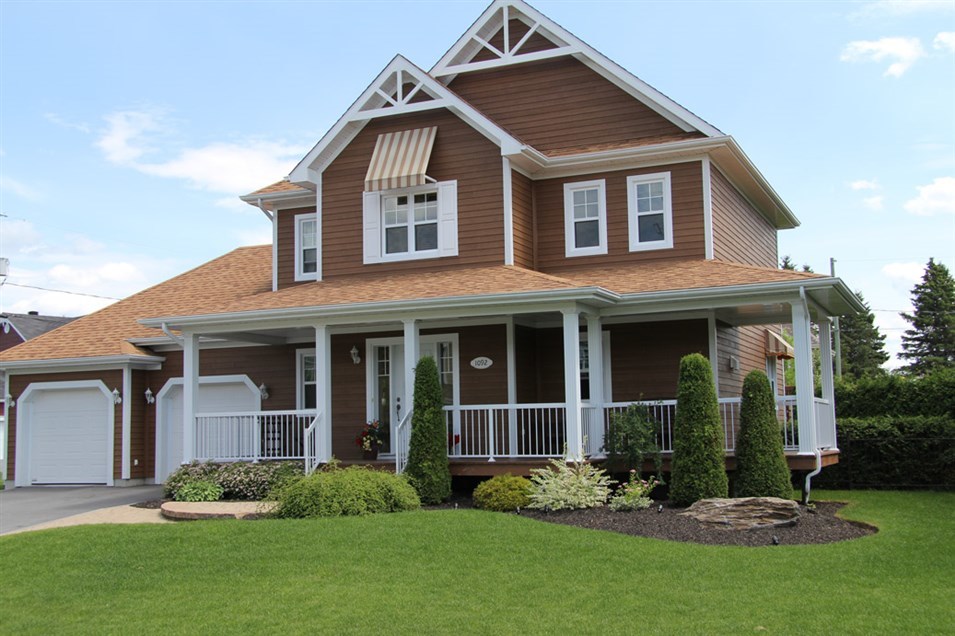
x: 746, y: 513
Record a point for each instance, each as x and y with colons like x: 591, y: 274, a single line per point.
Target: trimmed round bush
x: 699, y: 467
x: 503, y: 493
x: 761, y: 464
x: 199, y: 491
x: 357, y: 490
x: 428, y: 469
x: 242, y: 481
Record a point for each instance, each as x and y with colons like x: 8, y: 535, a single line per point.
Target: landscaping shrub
x: 427, y: 468
x: 635, y: 494
x: 699, y: 469
x: 632, y: 438
x: 569, y: 486
x: 357, y: 490
x: 242, y: 481
x: 199, y: 491
x: 891, y: 394
x: 503, y: 493
x: 893, y: 452
x: 761, y: 465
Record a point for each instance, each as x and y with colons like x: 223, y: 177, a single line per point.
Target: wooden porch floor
x: 484, y: 468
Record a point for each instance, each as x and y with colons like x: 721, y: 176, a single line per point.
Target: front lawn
x: 468, y: 571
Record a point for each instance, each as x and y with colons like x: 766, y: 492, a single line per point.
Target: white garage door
x: 69, y: 437
x: 218, y: 397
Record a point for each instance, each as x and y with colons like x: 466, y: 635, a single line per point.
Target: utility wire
x: 62, y: 291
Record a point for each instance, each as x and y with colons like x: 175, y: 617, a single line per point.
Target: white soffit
x: 458, y: 59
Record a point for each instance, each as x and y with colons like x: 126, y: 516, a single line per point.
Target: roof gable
x: 489, y: 43
x: 399, y: 89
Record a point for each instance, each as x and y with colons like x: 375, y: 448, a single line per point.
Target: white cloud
x: 874, y: 203
x: 863, y: 184
x: 53, y: 118
x: 20, y: 189
x: 905, y: 272
x: 901, y: 52
x: 17, y: 236
x: 944, y: 41
x: 937, y: 197
x: 226, y: 167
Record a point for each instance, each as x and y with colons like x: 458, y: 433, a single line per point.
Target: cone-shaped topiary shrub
x: 762, y: 469
x: 699, y: 468
x: 428, y: 469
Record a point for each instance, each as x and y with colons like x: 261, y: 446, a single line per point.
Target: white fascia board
x: 327, y: 313
x: 354, y: 119
x: 279, y: 200
x: 598, y: 62
x: 730, y: 155
x: 99, y: 363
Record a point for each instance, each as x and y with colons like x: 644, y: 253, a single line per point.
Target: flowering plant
x: 635, y: 494
x: 372, y: 435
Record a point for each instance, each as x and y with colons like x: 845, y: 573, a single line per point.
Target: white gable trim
x: 568, y: 44
x: 377, y: 101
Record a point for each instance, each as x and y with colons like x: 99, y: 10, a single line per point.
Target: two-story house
x: 552, y: 230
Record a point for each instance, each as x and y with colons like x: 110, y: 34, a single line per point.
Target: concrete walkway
x: 49, y: 506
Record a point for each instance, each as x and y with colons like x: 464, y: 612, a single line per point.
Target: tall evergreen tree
x: 863, y: 346
x: 930, y: 343
x: 427, y: 468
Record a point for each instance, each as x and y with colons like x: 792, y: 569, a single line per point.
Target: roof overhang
x: 96, y: 363
x: 272, y: 201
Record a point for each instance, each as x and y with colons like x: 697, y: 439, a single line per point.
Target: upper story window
x: 306, y: 247
x: 650, y: 211
x: 585, y: 218
x: 411, y: 223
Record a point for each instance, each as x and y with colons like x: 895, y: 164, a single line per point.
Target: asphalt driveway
x: 25, y: 507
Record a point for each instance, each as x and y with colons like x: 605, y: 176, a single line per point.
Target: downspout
x: 177, y: 339
x: 807, y: 486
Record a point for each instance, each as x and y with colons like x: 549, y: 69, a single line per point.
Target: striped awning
x: 400, y: 159
x: 777, y: 347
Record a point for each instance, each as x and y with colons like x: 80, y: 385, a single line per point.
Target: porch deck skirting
x: 487, y: 431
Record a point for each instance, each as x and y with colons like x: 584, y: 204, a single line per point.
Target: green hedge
x: 357, y: 490
x: 877, y: 396
x: 893, y: 452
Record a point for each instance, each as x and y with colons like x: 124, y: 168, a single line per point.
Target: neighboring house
x: 555, y: 232
x: 16, y: 329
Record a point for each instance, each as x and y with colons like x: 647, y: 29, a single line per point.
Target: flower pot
x: 372, y: 454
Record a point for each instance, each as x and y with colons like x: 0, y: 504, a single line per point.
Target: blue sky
x: 127, y: 130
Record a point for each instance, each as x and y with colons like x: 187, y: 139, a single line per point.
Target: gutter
x: 108, y: 362
x: 179, y: 340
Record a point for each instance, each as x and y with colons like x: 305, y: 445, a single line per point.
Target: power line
x: 62, y: 291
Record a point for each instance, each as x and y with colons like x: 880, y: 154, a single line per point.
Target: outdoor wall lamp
x: 10, y: 402
x: 264, y: 391
x: 150, y: 398
x: 354, y: 355
x: 117, y: 398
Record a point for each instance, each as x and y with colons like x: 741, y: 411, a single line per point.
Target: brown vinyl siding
x: 740, y: 233
x: 689, y: 238
x: 460, y: 153
x: 522, y: 207
x: 748, y: 344
x: 286, y: 243
x: 141, y: 447
x: 483, y: 386
x: 560, y: 104
x: 645, y: 357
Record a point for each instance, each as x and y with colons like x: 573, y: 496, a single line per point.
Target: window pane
x: 426, y: 237
x: 310, y: 261
x: 586, y: 234
x: 396, y: 240
x: 390, y: 204
x: 309, y: 397
x: 656, y: 204
x: 643, y: 190
x: 651, y: 227
x: 656, y: 189
x: 591, y: 195
x: 402, y: 200
x: 580, y: 197
x: 308, y: 233
x: 643, y: 205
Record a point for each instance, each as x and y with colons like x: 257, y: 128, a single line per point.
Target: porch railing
x: 252, y: 435
x: 311, y: 445
x: 402, y: 442
x: 506, y: 430
x: 825, y: 424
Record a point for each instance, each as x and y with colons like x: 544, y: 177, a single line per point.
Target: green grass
x: 468, y: 571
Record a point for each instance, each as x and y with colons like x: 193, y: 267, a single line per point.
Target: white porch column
x: 412, y: 350
x: 595, y: 349
x: 127, y: 419
x: 511, y: 387
x: 190, y: 394
x: 323, y: 391
x: 805, y: 391
x: 825, y: 361
x: 572, y: 383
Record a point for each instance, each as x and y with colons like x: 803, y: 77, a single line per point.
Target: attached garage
x: 65, y: 434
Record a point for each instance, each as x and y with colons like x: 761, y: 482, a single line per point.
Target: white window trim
x: 374, y: 227
x: 410, y: 224
x: 300, y: 378
x: 300, y: 219
x: 570, y: 248
x: 667, y: 242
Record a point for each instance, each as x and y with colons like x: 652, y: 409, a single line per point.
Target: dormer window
x: 306, y: 247
x: 585, y: 218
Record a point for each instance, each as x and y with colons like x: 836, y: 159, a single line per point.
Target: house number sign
x: 481, y: 362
